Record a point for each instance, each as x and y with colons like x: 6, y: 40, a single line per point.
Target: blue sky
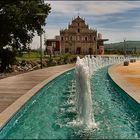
x: 116, y: 20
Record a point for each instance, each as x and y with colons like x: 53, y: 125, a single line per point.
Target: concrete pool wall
x: 127, y: 78
x: 11, y: 110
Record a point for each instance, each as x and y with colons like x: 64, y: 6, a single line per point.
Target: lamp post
x: 125, y: 46
x: 96, y: 42
x: 41, y: 64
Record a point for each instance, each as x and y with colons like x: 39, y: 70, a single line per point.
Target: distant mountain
x: 129, y: 45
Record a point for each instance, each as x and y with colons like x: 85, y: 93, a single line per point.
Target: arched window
x: 78, y: 30
x: 85, y: 38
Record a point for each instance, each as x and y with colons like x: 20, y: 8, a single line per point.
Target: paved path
x: 128, y: 78
x: 14, y: 87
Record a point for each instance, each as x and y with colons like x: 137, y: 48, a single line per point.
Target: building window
x: 78, y: 50
x: 66, y: 50
x: 49, y: 43
x: 78, y: 24
x: 85, y: 38
x: 71, y: 38
x: 62, y: 38
x: 94, y: 38
x: 78, y: 30
x: 90, y: 51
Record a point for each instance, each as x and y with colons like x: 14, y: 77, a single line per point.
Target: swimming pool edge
x: 9, y: 112
x: 121, y: 84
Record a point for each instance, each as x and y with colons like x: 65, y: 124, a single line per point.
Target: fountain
x: 84, y: 100
x: 84, y: 69
x: 68, y: 100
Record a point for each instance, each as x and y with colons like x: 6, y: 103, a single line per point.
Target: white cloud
x: 92, y: 7
x: 51, y: 32
x: 136, y: 26
x: 108, y: 7
x: 122, y: 21
x: 36, y: 42
x: 96, y: 11
x: 115, y: 35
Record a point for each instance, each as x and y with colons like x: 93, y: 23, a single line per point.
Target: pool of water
x: 118, y: 114
x: 48, y: 113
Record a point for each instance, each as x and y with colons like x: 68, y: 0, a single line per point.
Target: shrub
x: 7, y: 58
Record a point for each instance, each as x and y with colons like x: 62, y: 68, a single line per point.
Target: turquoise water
x: 48, y: 113
x: 118, y: 114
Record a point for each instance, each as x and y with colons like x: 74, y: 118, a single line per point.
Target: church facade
x: 78, y: 38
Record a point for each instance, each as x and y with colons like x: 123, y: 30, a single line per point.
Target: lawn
x: 29, y: 56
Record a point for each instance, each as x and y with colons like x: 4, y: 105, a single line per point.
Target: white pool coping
x: 9, y: 112
x: 123, y: 84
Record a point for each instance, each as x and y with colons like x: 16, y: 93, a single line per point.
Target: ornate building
x: 78, y: 38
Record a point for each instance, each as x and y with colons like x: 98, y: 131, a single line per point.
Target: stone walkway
x: 128, y: 78
x: 14, y: 87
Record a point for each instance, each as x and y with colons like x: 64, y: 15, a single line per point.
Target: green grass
x: 34, y: 56
x: 29, y: 56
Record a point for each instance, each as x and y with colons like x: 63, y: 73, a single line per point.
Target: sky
x: 116, y: 20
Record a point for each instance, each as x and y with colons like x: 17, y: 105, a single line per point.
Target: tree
x: 7, y: 57
x: 19, y: 20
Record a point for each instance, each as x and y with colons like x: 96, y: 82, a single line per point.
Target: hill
x: 129, y: 45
